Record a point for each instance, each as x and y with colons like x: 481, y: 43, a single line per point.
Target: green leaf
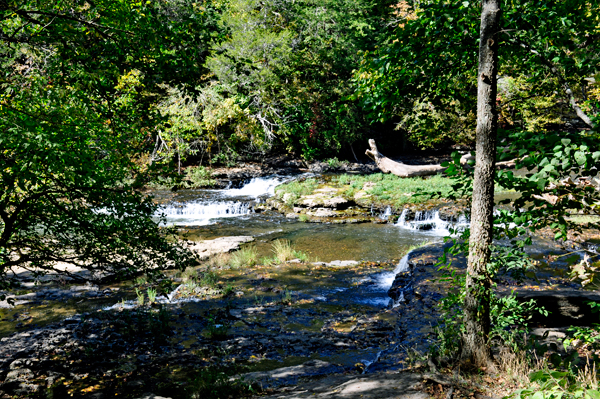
x: 580, y: 157
x: 538, y: 395
x: 592, y: 394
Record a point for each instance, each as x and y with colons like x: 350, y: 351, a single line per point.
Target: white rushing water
x: 257, y: 187
x: 430, y: 221
x: 227, y: 203
x: 202, y: 213
x: 384, y: 280
x: 387, y: 213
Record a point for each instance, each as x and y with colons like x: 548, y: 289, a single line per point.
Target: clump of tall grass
x: 245, y: 257
x: 218, y: 261
x: 209, y: 279
x: 190, y: 274
x: 284, y: 251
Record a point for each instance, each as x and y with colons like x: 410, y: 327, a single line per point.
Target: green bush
x: 198, y: 176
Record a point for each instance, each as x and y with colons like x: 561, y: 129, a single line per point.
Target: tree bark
x: 475, y: 345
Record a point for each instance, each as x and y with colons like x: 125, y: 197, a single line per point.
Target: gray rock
x: 342, y: 263
x: 337, y: 202
x: 207, y: 248
x: 322, y: 213
x: 566, y: 307
x: 404, y: 385
x: 23, y: 363
x: 290, y: 375
x: 18, y: 375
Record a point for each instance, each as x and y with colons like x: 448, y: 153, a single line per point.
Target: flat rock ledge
x: 402, y: 385
x: 207, y: 248
x: 291, y: 375
x: 332, y: 205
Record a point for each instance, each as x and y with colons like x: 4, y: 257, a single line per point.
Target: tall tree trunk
x: 475, y: 348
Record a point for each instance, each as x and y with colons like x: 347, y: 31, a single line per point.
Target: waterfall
x: 256, y: 187
x: 387, y: 213
x: 402, y: 219
x: 201, y: 213
x: 226, y: 203
x: 384, y: 280
x: 432, y: 222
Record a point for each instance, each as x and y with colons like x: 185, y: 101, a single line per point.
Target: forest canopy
x: 100, y: 97
x: 216, y: 80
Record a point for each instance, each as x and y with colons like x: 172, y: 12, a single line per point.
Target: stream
x: 333, y: 310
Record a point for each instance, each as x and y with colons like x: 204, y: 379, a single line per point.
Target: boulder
x: 565, y: 307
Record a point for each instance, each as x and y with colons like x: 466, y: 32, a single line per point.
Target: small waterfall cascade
x: 256, y: 187
x: 200, y: 213
x: 384, y: 280
x: 431, y: 221
x: 226, y: 203
x: 386, y: 213
x: 402, y: 219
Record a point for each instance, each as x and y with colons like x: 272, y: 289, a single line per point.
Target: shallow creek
x: 274, y: 316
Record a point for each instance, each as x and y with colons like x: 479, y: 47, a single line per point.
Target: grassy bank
x: 377, y: 188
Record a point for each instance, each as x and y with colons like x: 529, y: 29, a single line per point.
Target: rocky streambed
x: 273, y: 318
x: 275, y: 325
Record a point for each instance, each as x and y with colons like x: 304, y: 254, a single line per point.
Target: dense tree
x: 76, y: 116
x: 281, y: 76
x: 425, y: 73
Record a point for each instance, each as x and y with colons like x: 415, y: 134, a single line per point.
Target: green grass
x: 209, y: 279
x: 284, y: 251
x: 385, y: 188
x: 296, y: 189
x: 245, y: 257
x: 400, y: 191
x: 190, y: 274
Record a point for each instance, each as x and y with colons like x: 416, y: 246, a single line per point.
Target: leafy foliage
x: 74, y: 128
x: 546, y: 53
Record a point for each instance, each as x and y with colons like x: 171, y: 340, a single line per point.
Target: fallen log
x: 386, y: 165
x: 398, y: 168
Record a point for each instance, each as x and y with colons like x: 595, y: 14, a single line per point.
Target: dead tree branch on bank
x: 386, y: 165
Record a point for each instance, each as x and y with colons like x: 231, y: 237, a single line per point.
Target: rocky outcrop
x: 207, y: 248
x: 403, y: 385
x: 291, y: 375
